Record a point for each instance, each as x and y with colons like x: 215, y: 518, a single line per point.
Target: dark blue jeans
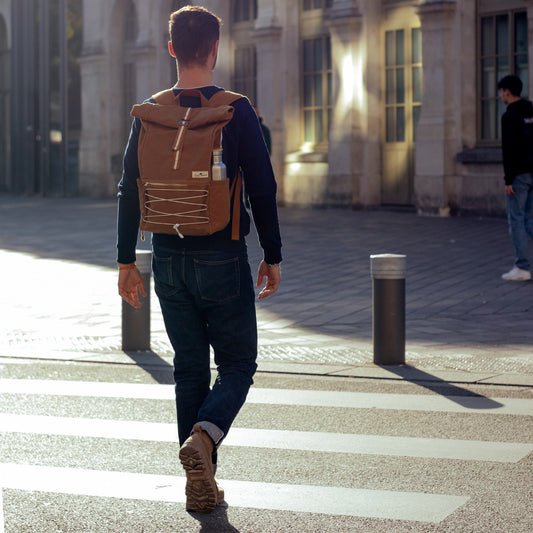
x: 519, y: 215
x: 207, y: 299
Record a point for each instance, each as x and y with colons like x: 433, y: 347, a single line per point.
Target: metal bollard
x: 388, y: 308
x: 136, y: 322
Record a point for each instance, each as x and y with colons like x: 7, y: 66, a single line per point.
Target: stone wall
x: 450, y: 175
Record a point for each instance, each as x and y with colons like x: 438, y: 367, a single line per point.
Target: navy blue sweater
x: 244, y: 148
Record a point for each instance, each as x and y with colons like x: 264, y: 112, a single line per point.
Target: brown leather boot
x: 201, y: 489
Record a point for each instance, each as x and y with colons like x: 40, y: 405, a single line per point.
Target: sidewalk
x: 464, y: 323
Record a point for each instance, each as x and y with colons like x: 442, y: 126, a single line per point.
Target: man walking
x: 518, y: 174
x: 204, y: 284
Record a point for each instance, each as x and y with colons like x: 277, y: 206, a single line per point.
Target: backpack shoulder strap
x: 224, y: 98
x: 166, y: 97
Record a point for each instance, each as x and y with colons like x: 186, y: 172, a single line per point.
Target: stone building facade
x: 369, y: 102
x: 5, y: 76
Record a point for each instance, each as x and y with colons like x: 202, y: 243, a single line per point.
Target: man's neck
x: 189, y: 78
x: 513, y: 99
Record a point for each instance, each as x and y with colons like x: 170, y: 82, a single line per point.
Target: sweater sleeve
x: 260, y: 184
x: 129, y: 213
x: 511, y: 129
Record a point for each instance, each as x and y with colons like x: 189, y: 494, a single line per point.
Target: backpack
x: 177, y: 194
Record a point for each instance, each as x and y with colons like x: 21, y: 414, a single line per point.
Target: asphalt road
x: 91, y: 447
x: 328, y: 441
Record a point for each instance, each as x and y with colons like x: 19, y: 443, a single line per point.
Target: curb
x: 360, y: 371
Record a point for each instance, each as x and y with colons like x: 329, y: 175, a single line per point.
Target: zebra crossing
x: 431, y: 507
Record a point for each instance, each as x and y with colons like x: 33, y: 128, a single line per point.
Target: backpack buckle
x: 184, y: 122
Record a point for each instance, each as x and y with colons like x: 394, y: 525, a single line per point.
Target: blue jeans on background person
x: 519, y: 207
x: 207, y: 299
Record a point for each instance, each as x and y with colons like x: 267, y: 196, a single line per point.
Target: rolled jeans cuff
x: 213, y: 431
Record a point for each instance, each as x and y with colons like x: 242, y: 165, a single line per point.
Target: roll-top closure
x: 173, y: 116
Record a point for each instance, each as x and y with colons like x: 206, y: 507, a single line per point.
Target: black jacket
x: 515, y: 160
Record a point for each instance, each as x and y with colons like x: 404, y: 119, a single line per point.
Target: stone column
x: 435, y: 180
x: 94, y: 69
x: 94, y: 146
x: 268, y: 35
x: 222, y: 72
x: 145, y: 51
x: 346, y: 148
x: 146, y: 75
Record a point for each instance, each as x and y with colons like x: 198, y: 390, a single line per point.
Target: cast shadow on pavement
x: 452, y: 392
x: 215, y: 522
x: 153, y: 364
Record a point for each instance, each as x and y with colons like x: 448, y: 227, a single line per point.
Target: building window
x: 131, y: 26
x: 395, y: 85
x: 244, y: 10
x: 317, y: 93
x: 178, y: 4
x: 245, y: 72
x: 308, y: 5
x: 416, y: 77
x: 403, y: 84
x: 502, y: 51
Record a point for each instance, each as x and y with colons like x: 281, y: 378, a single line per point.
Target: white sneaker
x: 517, y: 274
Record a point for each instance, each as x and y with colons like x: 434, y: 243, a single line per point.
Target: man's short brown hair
x: 194, y: 31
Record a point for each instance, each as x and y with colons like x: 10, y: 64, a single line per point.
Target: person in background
x: 265, y: 130
x: 518, y: 174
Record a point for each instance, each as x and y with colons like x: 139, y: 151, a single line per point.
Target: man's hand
x: 509, y: 190
x: 130, y: 283
x: 273, y: 277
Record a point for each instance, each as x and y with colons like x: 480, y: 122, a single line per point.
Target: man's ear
x: 171, y: 49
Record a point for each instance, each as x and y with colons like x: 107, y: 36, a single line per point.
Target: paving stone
x: 58, y: 257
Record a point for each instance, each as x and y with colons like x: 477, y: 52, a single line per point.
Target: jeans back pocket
x: 218, y: 281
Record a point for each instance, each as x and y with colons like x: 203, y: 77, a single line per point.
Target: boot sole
x: 201, y: 489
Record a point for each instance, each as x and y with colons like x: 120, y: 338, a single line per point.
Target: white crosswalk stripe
x: 1, y: 511
x: 281, y: 497
x: 505, y: 452
x: 415, y: 506
x: 355, y: 400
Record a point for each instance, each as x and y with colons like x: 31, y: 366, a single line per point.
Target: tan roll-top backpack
x: 177, y: 192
